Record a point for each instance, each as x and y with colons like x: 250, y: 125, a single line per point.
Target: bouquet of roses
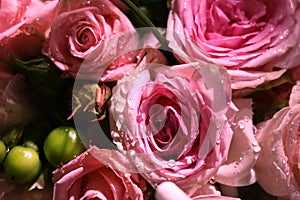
x: 157, y: 99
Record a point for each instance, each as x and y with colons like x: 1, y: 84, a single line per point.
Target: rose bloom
x: 238, y: 169
x: 256, y: 40
x: 169, y: 190
x: 98, y: 173
x: 277, y: 167
x: 23, y: 27
x: 16, y: 102
x: 83, y: 31
x: 169, y: 124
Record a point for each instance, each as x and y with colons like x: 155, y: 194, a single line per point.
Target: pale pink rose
x: 98, y: 173
x: 87, y: 29
x: 244, y: 149
x: 170, y: 191
x: 23, y: 27
x: 16, y: 100
x: 261, y: 38
x: 171, y: 123
x: 277, y: 167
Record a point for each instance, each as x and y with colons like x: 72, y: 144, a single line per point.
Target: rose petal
x: 238, y: 168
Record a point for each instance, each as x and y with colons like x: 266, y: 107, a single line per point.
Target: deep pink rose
x: 16, y: 100
x: 23, y: 27
x: 277, y: 167
x: 253, y: 39
x: 98, y: 173
x: 84, y: 29
x: 171, y: 123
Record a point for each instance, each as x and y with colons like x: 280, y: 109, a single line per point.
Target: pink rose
x: 170, y: 191
x: 238, y: 169
x: 120, y: 66
x: 277, y: 167
x: 87, y: 29
x: 169, y: 123
x: 253, y: 39
x: 23, y: 27
x: 16, y: 100
x: 98, y: 173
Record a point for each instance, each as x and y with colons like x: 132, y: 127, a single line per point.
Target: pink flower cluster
x: 202, y: 118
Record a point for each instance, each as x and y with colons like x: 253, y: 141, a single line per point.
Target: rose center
x: 86, y: 38
x: 162, y: 115
x: 234, y: 19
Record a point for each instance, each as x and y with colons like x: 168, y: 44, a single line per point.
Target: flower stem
x: 3, y: 63
x: 147, y: 21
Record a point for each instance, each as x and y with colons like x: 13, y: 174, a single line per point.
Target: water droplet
x: 241, y: 124
x: 212, y: 180
x: 115, y: 135
x: 152, y: 175
x: 171, y: 163
x: 277, y: 167
x: 256, y: 149
x: 284, y: 34
x: 140, y: 166
x: 190, y: 160
x: 132, y: 153
x: 254, y: 143
x: 127, y: 175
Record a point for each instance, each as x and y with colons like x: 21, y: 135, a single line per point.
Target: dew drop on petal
x: 212, y: 180
x: 171, y: 163
x: 140, y: 166
x: 132, y: 153
x: 241, y: 124
x: 256, y: 149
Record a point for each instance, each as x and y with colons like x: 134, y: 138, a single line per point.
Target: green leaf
x: 147, y: 21
x: 13, y: 136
